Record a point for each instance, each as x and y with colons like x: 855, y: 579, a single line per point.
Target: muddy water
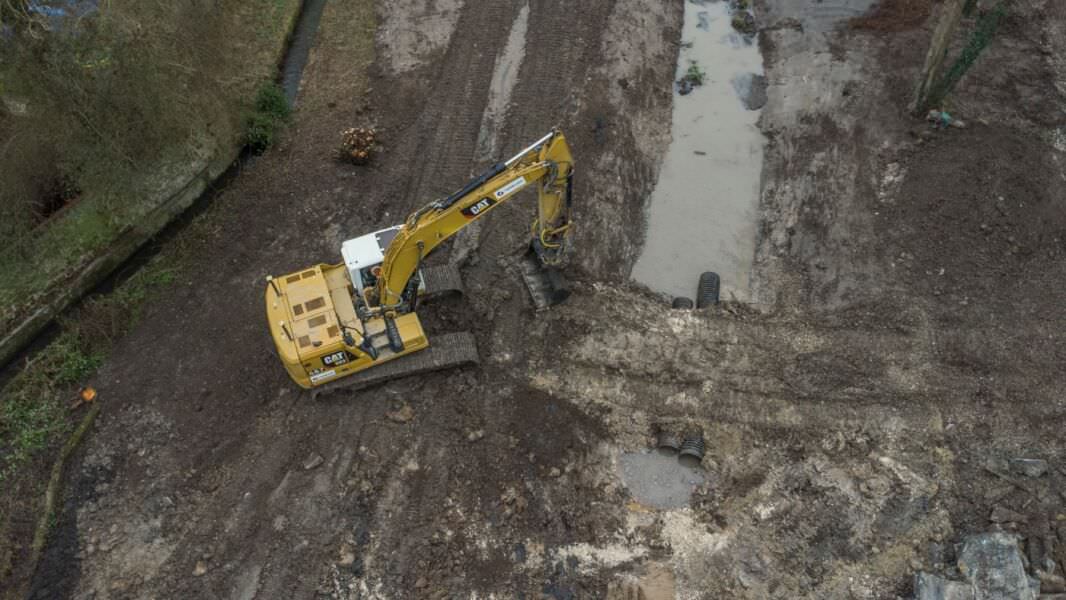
x: 702, y: 214
x: 658, y: 480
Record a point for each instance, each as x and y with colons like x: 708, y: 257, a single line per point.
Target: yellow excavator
x: 354, y: 324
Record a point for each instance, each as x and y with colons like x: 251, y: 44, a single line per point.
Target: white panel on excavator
x: 365, y: 251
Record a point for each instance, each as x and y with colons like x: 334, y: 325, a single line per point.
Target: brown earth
x: 909, y: 329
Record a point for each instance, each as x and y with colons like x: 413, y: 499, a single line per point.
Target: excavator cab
x: 363, y: 257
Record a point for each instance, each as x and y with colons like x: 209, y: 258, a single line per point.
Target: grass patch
x: 271, y: 112
x: 32, y: 409
x: 116, y: 111
x: 128, y: 102
x: 33, y: 405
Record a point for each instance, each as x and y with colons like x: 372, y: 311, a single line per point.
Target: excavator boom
x: 546, y: 164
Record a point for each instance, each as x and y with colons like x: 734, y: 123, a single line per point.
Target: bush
x: 271, y: 101
x: 272, y: 110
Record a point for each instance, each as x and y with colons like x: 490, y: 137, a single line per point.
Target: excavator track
x: 446, y: 351
x: 442, y: 279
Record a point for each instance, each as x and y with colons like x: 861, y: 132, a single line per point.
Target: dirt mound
x: 981, y: 218
x: 894, y: 15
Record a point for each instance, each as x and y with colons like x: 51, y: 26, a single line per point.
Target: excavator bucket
x: 546, y: 284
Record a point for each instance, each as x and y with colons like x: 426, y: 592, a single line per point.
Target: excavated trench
x: 703, y: 211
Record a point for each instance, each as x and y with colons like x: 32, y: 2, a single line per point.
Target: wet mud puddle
x: 658, y: 480
x: 702, y: 214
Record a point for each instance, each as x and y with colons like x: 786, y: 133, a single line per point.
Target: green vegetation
x: 695, y: 73
x: 97, y: 117
x: 271, y: 112
x: 744, y: 23
x: 33, y: 405
x: 31, y: 411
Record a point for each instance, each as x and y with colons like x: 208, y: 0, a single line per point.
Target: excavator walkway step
x: 446, y: 351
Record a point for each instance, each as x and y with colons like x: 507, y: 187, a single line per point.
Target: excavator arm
x: 546, y: 163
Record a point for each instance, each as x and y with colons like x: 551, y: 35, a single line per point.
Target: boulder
x: 992, y: 563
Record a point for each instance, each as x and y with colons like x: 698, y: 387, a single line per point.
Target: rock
x: 346, y: 555
x: 421, y: 583
x: 1001, y: 206
x: 520, y: 552
x: 992, y: 563
x: 936, y: 555
x: 1030, y: 467
x: 758, y: 96
x: 656, y: 582
x: 199, y: 569
x: 1051, y: 584
x: 997, y: 493
x: 932, y: 587
x: 474, y: 436
x: 751, y: 88
x: 1040, y: 550
x: 313, y: 461
x: 404, y: 415
x: 998, y: 466
x: 555, y: 472
x: 1002, y: 514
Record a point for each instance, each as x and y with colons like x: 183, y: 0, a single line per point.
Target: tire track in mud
x: 441, y: 142
x: 560, y: 57
x: 441, y: 145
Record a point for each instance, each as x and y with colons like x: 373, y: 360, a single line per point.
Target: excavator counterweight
x: 355, y: 323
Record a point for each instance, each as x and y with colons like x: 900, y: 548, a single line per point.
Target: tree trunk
x: 950, y: 15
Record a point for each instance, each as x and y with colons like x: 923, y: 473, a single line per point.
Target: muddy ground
x: 909, y: 327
